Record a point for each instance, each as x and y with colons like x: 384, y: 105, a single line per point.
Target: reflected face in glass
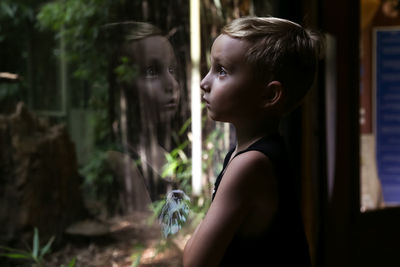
x: 156, y: 79
x: 230, y: 90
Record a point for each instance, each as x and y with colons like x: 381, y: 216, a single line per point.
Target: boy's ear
x: 273, y: 95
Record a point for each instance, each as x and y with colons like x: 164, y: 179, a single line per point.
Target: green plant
x: 126, y: 72
x: 34, y: 254
x: 78, y: 23
x: 137, y: 255
x: 71, y: 263
x: 178, y: 167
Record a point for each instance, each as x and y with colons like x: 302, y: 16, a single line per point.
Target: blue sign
x: 387, y: 111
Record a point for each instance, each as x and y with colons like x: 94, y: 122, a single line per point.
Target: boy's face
x: 230, y: 91
x: 156, y: 81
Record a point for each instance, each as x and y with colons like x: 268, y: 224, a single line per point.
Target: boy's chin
x: 211, y: 115
x: 214, y: 117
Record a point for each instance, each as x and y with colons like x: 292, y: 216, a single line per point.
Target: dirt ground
x: 127, y: 241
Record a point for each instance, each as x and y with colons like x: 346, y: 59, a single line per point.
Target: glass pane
x: 95, y: 122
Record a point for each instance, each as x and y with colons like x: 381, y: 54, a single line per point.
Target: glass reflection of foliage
x: 99, y: 187
x: 126, y: 71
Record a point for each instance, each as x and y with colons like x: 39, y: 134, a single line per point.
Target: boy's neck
x: 249, y: 132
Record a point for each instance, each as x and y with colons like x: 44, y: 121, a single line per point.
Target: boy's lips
x: 171, y: 104
x: 206, y: 100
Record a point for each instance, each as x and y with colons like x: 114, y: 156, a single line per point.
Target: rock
x: 88, y: 228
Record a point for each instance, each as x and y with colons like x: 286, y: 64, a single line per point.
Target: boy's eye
x: 222, y: 71
x: 172, y: 70
x: 151, y: 72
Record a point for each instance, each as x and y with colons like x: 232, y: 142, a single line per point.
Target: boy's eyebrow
x: 218, y: 60
x: 156, y: 61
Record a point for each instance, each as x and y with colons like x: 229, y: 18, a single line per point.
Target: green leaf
x: 15, y: 256
x: 13, y: 250
x: 169, y: 170
x: 72, y: 262
x: 136, y: 261
x: 8, y: 9
x: 136, y: 256
x: 47, y: 247
x: 169, y: 157
x: 35, y: 250
x: 185, y: 126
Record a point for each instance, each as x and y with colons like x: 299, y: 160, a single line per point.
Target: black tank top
x: 284, y: 243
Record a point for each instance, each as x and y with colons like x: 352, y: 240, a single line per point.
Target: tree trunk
x: 39, y: 182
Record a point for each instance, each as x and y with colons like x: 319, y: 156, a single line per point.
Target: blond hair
x: 279, y: 50
x: 129, y: 31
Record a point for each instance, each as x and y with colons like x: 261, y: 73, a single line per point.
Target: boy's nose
x: 169, y: 82
x: 204, y: 84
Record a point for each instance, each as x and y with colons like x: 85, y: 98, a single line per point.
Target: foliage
x: 212, y: 152
x: 137, y: 255
x: 96, y: 169
x: 17, y: 12
x: 99, y: 183
x: 126, y: 72
x: 71, y: 263
x: 173, y: 211
x: 100, y: 124
x: 78, y: 23
x: 178, y: 167
x: 35, y: 254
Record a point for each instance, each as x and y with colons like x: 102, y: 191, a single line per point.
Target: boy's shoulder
x: 247, y: 173
x: 251, y: 160
x: 249, y: 190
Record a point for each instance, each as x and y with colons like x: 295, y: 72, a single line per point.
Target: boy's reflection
x: 145, y: 67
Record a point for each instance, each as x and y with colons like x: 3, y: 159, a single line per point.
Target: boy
x: 144, y: 65
x: 261, y: 68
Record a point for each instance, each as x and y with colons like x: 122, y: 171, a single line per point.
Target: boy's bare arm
x: 233, y: 202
